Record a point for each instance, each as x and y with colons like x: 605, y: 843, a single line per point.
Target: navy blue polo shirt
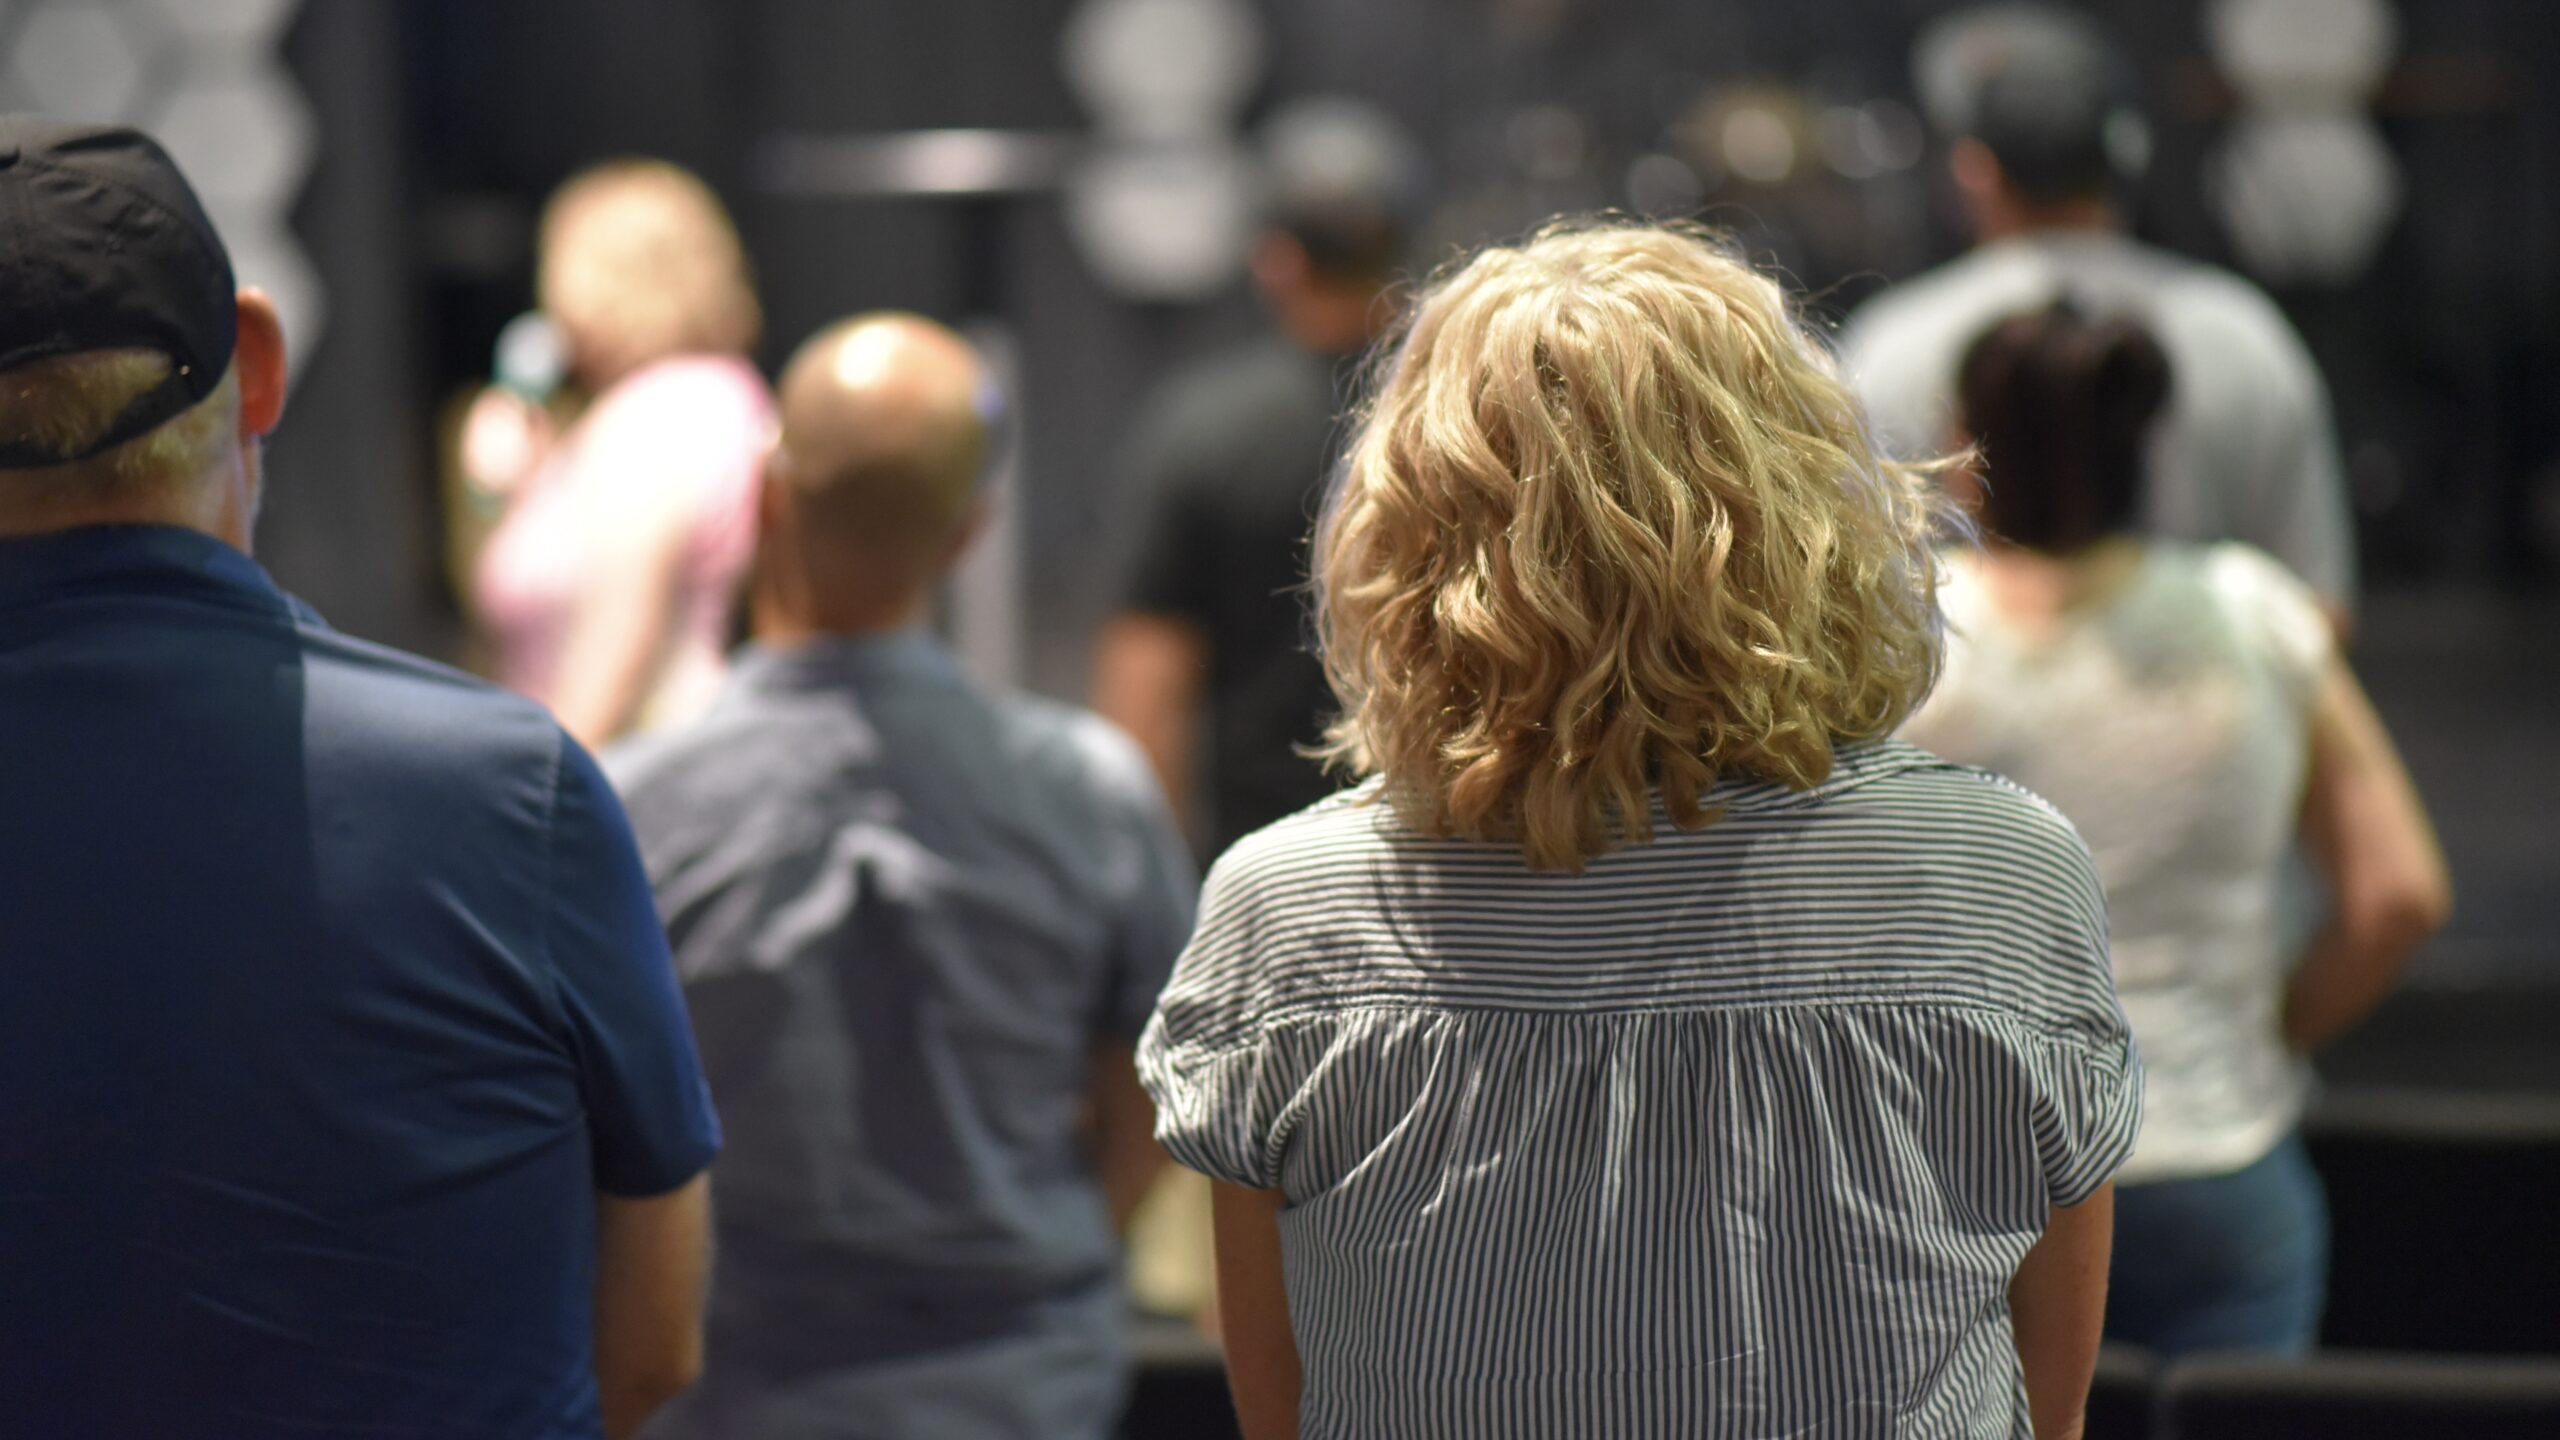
x: 331, y: 992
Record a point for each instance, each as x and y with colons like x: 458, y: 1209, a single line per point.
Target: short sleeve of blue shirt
x: 648, y: 1111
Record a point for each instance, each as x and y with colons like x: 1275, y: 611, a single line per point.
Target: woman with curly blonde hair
x: 1650, y: 1047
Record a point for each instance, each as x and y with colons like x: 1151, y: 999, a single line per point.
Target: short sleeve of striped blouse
x: 2087, y: 1104
x: 1204, y: 1054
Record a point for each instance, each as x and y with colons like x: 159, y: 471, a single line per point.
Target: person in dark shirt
x: 344, y: 1084
x: 1230, y: 458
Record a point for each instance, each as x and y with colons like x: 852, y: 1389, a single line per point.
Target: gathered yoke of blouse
x: 1741, y: 1132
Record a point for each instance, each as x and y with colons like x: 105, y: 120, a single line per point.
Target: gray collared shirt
x: 907, y: 913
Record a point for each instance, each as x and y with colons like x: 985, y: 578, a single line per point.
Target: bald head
x: 881, y: 435
x: 874, y: 482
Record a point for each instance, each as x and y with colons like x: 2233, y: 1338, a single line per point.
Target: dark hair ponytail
x: 2060, y: 406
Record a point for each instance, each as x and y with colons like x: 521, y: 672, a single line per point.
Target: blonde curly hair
x: 1612, y: 526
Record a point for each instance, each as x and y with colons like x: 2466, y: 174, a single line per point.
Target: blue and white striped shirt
x: 1740, y: 1133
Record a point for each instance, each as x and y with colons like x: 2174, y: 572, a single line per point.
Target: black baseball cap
x: 2043, y: 89
x: 104, y: 246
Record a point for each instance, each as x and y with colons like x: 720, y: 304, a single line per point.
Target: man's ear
x: 259, y: 357
x: 1977, y: 171
x: 1279, y: 263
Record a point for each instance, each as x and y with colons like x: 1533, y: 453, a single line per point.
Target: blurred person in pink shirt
x: 605, y: 590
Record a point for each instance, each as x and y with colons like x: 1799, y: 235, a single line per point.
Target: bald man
x: 920, y: 926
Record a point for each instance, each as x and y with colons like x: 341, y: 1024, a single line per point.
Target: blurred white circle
x: 243, y: 137
x: 2307, y: 199
x: 1663, y: 186
x: 1758, y: 144
x: 79, y: 62
x: 234, y: 22
x: 2304, y: 53
x: 1162, y: 68
x: 1167, y: 222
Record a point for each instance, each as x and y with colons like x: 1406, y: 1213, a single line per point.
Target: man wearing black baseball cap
x: 2047, y: 137
x: 344, y: 1084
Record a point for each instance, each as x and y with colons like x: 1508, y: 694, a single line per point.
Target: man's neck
x: 780, y: 624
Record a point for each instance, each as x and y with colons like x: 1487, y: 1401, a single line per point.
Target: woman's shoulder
x: 1899, y: 780
x: 1344, y: 831
x: 2272, y: 610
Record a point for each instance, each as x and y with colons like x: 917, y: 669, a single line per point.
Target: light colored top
x: 2247, y: 449
x: 2173, y: 726
x: 684, y: 436
x: 1739, y: 1133
x: 907, y: 912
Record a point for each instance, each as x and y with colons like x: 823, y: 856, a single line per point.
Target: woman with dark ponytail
x: 2186, y: 708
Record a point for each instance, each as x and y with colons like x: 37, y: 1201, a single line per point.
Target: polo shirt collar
x: 129, y: 559
x: 837, y: 661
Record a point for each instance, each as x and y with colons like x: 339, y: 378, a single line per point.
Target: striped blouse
x: 1740, y: 1133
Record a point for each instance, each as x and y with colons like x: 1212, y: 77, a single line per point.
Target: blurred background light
x: 78, y: 61
x: 2308, y: 198
x: 1163, y: 223
x: 1757, y: 139
x: 255, y: 23
x: 1162, y: 67
x: 2295, y: 52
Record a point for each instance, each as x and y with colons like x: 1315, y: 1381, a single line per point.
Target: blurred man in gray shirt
x: 920, y: 926
x: 2047, y: 133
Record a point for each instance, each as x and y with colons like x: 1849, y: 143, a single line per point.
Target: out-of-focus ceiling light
x: 1758, y: 143
x: 254, y: 23
x: 243, y: 137
x: 2303, y: 52
x: 1166, y: 223
x: 2307, y: 198
x: 1162, y: 67
x: 78, y: 62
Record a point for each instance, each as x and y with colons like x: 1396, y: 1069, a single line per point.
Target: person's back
x: 2186, y: 707
x: 899, y: 907
x: 1232, y: 457
x: 920, y: 926
x: 1227, y: 464
x: 1650, y: 1050
x: 1726, y: 1135
x: 2167, y: 722
x: 2245, y: 451
x: 301, y: 1104
x: 2047, y: 138
x: 344, y: 1085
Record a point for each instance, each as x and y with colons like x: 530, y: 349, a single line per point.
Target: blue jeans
x: 2224, y: 1262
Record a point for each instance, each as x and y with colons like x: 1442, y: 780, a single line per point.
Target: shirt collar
x: 128, y: 559
x: 838, y: 661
